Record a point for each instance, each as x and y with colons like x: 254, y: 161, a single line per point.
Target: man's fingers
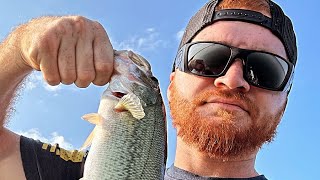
x: 49, y: 68
x: 103, y: 56
x: 85, y: 66
x: 46, y: 56
x: 67, y: 60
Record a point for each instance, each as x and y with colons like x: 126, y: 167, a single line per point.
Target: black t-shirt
x: 42, y: 161
x: 174, y: 173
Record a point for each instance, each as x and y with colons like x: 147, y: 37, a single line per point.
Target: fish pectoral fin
x: 89, y: 139
x: 93, y: 118
x: 131, y: 103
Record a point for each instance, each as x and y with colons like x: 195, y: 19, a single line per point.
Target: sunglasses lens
x: 266, y: 70
x: 207, y: 58
x: 262, y: 69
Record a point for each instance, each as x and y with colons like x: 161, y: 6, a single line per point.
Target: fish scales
x: 130, y: 150
x: 124, y: 147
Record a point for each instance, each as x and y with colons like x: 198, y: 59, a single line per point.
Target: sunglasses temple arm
x: 179, y: 60
x: 288, y: 86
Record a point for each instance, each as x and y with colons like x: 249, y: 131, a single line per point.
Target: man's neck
x: 190, y: 159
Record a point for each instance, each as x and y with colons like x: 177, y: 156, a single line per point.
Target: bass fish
x: 129, y: 140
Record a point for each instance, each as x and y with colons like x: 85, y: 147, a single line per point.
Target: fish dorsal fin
x: 89, y: 139
x: 131, y: 103
x: 93, y: 118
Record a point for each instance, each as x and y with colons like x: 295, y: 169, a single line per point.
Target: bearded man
x: 227, y: 110
x: 229, y: 87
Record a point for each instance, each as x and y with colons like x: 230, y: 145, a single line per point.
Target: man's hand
x: 69, y: 50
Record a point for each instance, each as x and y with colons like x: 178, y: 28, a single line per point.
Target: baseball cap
x: 279, y: 24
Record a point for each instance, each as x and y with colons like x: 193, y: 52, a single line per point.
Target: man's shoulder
x: 174, y: 173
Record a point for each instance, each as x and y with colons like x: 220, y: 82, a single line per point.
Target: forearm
x: 12, y: 71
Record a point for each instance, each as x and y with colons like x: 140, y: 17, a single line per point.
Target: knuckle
x: 65, y: 82
x: 104, y: 72
x: 80, y: 20
x: 82, y: 84
x: 53, y: 81
x: 61, y: 28
x: 101, y: 82
x: 99, y: 30
x: 86, y: 76
x: 69, y: 25
x: 79, y: 24
x: 103, y: 66
x: 98, y: 25
x: 68, y: 78
x: 48, y: 44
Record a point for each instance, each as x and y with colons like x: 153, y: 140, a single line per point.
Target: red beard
x: 227, y: 138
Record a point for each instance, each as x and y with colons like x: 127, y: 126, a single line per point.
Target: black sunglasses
x: 261, y: 69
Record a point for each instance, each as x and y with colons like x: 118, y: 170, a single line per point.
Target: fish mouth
x: 118, y: 94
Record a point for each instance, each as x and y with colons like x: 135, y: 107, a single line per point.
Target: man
x: 223, y: 113
x: 67, y: 50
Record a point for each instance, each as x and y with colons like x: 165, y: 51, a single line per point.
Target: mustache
x: 230, y: 95
x: 225, y: 94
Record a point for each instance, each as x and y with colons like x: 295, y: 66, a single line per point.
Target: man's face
x: 225, y: 116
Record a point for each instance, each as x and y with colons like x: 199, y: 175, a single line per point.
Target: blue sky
x: 153, y: 29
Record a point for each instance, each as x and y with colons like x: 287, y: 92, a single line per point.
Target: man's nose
x: 233, y: 79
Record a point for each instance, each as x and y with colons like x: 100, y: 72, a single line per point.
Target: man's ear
x: 172, y: 75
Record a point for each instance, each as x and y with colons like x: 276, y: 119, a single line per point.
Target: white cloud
x: 56, y: 138
x: 53, y: 139
x: 29, y: 85
x: 51, y: 88
x: 35, y: 80
x: 150, y: 30
x: 148, y: 41
x: 179, y: 34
